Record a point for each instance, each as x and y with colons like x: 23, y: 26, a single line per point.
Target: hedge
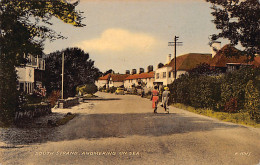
x: 231, y: 92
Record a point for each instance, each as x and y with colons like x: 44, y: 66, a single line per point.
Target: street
x: 122, y: 129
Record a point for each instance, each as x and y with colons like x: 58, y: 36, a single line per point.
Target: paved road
x: 123, y: 130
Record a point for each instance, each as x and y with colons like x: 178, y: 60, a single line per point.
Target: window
x: 169, y: 74
x: 164, y: 74
x: 157, y: 75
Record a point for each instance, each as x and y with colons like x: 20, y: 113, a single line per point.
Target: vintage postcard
x: 171, y: 82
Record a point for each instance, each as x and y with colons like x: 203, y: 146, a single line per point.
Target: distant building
x: 111, y: 80
x: 166, y: 74
x: 30, y: 76
x: 228, y: 64
x: 142, y: 79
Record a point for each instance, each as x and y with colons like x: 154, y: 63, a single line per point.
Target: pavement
x: 122, y: 129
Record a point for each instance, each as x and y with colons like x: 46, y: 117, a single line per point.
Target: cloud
x: 118, y: 40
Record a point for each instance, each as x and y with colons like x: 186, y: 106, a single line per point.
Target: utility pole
x: 175, y: 44
x: 62, y: 75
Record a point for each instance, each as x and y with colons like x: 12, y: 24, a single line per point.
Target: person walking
x: 165, y: 99
x: 155, y: 98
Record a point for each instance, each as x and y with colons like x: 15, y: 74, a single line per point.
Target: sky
x: 132, y: 34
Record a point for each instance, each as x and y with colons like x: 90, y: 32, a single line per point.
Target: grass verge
x: 65, y: 119
x: 238, y: 118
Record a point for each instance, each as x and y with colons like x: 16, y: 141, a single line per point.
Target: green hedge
x: 231, y: 92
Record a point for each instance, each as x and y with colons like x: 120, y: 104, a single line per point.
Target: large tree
x: 239, y: 22
x: 78, y: 70
x: 24, y: 25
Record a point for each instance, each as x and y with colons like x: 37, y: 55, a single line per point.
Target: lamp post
x: 62, y: 76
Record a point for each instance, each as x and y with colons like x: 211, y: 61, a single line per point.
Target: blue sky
x: 123, y: 34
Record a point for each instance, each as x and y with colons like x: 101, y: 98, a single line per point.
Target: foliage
x: 107, y: 72
x: 65, y: 119
x: 252, y: 101
x: 233, y: 92
x: 180, y: 90
x: 54, y: 97
x: 204, y: 92
x: 233, y: 85
x: 239, y: 118
x: 78, y: 70
x: 87, y: 89
x: 8, y: 92
x: 231, y: 105
x: 238, y: 21
x: 203, y: 69
x: 23, y: 31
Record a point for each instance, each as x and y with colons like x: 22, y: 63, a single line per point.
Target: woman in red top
x: 155, y: 98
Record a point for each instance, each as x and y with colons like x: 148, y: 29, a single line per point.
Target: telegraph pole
x: 62, y: 75
x: 175, y: 44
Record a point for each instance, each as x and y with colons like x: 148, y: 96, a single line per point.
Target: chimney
x: 149, y: 68
x: 141, y: 70
x: 127, y: 72
x: 133, y: 71
x: 168, y: 60
x: 160, y: 65
x: 215, y: 47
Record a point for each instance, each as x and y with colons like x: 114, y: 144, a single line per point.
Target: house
x: 117, y: 80
x: 30, y: 75
x: 103, y: 81
x: 229, y: 64
x: 142, y: 79
x: 166, y: 74
x: 111, y: 80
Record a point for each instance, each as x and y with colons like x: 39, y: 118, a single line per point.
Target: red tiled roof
x: 220, y: 59
x: 106, y: 77
x: 141, y: 76
x: 118, y: 77
x: 189, y: 61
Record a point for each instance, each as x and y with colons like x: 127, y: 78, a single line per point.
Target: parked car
x: 119, y: 91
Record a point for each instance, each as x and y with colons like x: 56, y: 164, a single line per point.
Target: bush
x: 220, y: 93
x: 87, y: 89
x: 234, y: 85
x: 54, y: 97
x: 231, y: 105
x: 204, y: 92
x: 252, y: 101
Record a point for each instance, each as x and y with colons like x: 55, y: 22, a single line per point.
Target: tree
x: 108, y: 71
x: 78, y: 70
x: 238, y: 22
x: 24, y: 28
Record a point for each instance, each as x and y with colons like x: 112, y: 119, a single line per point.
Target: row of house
x: 165, y: 75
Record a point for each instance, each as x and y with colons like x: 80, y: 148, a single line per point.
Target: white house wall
x: 167, y: 80
x: 118, y: 84
x: 100, y: 83
x: 25, y: 74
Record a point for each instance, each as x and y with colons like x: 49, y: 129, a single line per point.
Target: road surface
x: 123, y: 130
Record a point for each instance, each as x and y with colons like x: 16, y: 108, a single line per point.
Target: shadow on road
x: 95, y: 126
x: 101, y: 99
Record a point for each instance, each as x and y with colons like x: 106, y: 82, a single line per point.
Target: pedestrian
x: 142, y: 92
x: 165, y: 99
x: 155, y: 98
